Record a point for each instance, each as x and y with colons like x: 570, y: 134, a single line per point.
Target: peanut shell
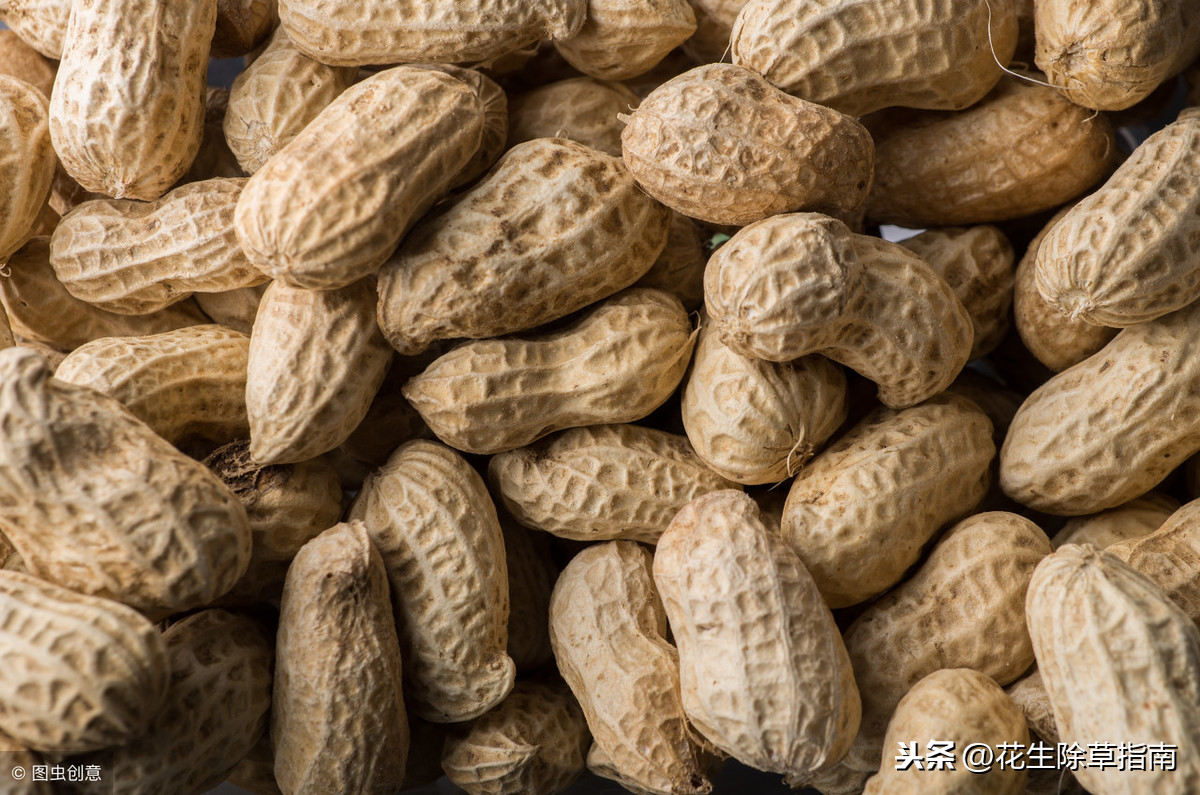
x: 26, y: 161
x: 625, y: 38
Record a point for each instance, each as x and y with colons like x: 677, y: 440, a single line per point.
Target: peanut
x: 42, y: 24
x: 214, y: 158
x: 1169, y: 556
x: 714, y: 26
x: 582, y: 109
x: 391, y: 420
x: 621, y: 39
x: 242, y: 25
x: 16, y: 756
x: 1129, y: 522
x: 26, y: 161
x: 495, y: 120
x: 679, y: 269
x: 19, y: 60
x: 235, y: 309
x: 1029, y: 694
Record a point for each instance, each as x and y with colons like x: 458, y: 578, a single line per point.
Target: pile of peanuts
x: 508, y: 389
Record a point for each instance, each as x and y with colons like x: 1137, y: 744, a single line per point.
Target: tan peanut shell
x: 214, y: 158
x: 603, y: 482
x: 17, y: 757
x: 215, y: 709
x: 40, y: 307
x: 329, y: 207
x: 185, y: 384
x: 977, y: 262
x: 721, y: 144
x: 79, y: 672
x: 337, y: 718
x: 1118, y: 660
x: 860, y: 512
x: 276, y: 97
x: 534, y: 743
x: 531, y: 576
x: 495, y: 119
x: 429, y: 514
x: 754, y: 421
x: 134, y: 258
x: 859, y: 56
x: 1023, y: 149
x: 554, y: 226
x: 19, y: 60
x: 1169, y: 556
x: 136, y: 142
x: 581, y: 109
x: 714, y: 26
x: 42, y: 24
x: 316, y: 360
x: 764, y: 674
x: 1030, y: 696
x: 679, y: 269
x: 964, y: 707
x: 235, y: 309
x: 1101, y: 433
x: 1129, y: 522
x: 984, y: 564
x: 616, y: 363
x: 607, y: 626
x: 1130, y: 252
x: 621, y: 39
x: 26, y: 161
x: 1055, y: 339
x: 347, y: 32
x: 287, y: 504
x: 94, y: 500
x: 794, y: 285
x: 1110, y: 55
x: 242, y: 25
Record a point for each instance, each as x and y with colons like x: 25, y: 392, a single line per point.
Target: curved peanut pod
x: 24, y: 62
x: 1129, y: 522
x: 42, y: 24
x: 430, y: 516
x: 26, y: 161
x: 95, y: 501
x: 241, y: 25
x: 185, y: 384
x: 580, y: 109
x: 1130, y: 252
x: 607, y: 627
x: 134, y: 258
x: 495, y: 119
x: 770, y: 153
x: 764, y: 673
x: 860, y: 512
x: 337, y: 716
x: 329, y: 207
x: 316, y: 360
x: 603, y: 482
x: 79, y: 672
x: 134, y: 143
x: 797, y: 284
x: 1170, y: 557
x: 1118, y: 660
x: 554, y: 227
x: 1029, y: 694
x: 622, y: 39
x: 858, y: 56
x: 1080, y: 445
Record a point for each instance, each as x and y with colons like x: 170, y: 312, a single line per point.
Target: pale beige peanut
x: 134, y: 258
x: 338, y: 722
x: 1118, y: 659
x: 214, y: 712
x: 26, y: 161
x: 133, y: 143
x: 977, y: 262
x: 1101, y: 433
x: 1055, y: 339
x: 185, y: 384
x: 429, y: 514
x: 19, y: 60
x: 531, y: 576
x: 607, y: 628
x: 1030, y: 696
x: 581, y: 109
x: 94, y: 500
x: 79, y: 672
x: 40, y: 307
x: 984, y: 564
x: 534, y: 743
x: 621, y: 39
x: 554, y: 226
x: 1110, y: 55
x: 764, y: 673
x: 1135, y: 519
x: 242, y: 25
x: 754, y: 421
x: 962, y: 706
x: 214, y: 158
x: 859, y: 56
x: 235, y: 309
x: 721, y: 144
x: 42, y: 24
x: 329, y: 207
x: 275, y: 97
x: 1169, y: 556
x: 679, y: 269
x: 316, y: 360
x: 616, y: 363
x: 19, y: 758
x: 714, y: 26
x: 346, y: 32
x: 1023, y: 149
x: 860, y: 512
x: 1130, y: 251
x: 495, y: 119
x: 798, y: 284
x: 603, y: 482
